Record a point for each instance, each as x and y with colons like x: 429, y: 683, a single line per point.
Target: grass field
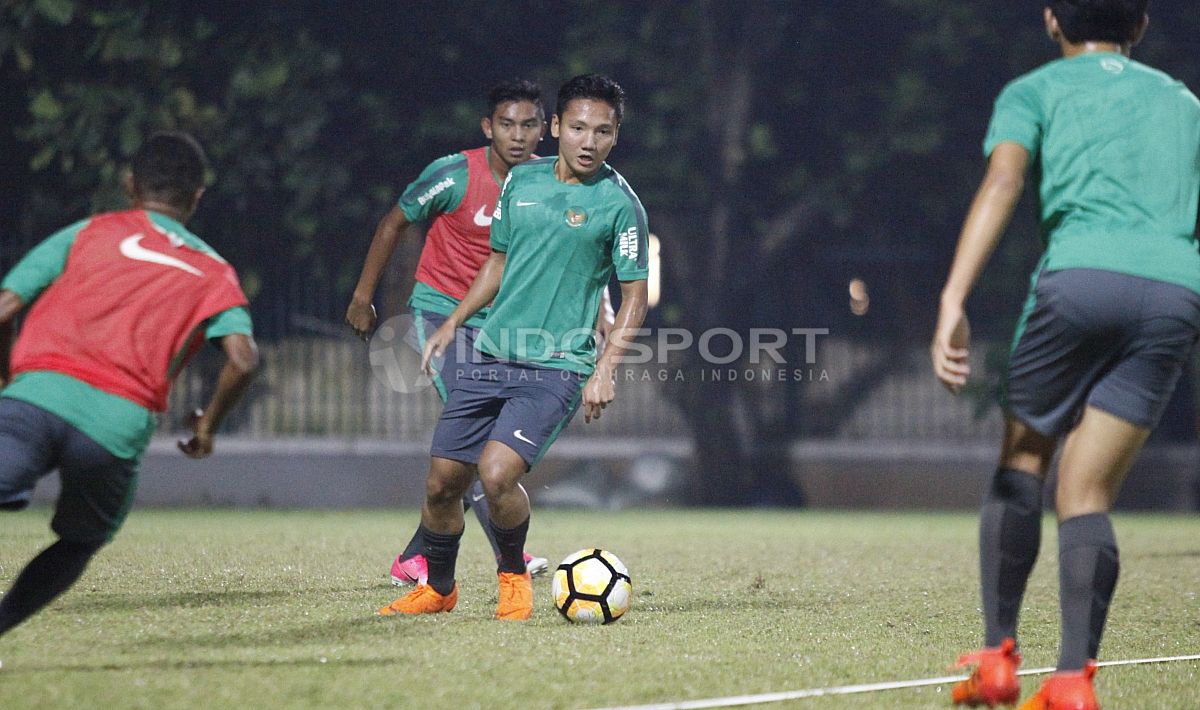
x: 199, y: 609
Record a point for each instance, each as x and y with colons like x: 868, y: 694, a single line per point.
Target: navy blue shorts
x: 519, y: 405
x: 1102, y: 339
x: 448, y: 366
x: 97, y: 487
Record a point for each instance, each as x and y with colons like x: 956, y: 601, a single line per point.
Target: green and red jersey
x: 119, y: 303
x: 458, y: 193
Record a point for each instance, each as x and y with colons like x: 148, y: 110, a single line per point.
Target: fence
x: 326, y: 387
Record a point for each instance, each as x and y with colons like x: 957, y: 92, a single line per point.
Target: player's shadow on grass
x: 121, y: 602
x: 279, y: 635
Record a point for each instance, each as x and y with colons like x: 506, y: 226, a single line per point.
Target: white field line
x: 763, y: 698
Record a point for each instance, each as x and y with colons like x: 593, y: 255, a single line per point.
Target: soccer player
x: 561, y: 228
x: 117, y: 304
x: 1112, y: 315
x: 458, y: 193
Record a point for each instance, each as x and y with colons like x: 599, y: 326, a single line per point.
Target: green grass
x: 191, y: 609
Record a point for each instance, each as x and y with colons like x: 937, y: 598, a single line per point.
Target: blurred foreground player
x: 562, y: 227
x: 117, y: 304
x: 458, y: 193
x: 1112, y: 315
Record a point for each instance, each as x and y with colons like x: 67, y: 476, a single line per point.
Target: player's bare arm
x: 483, y: 289
x: 241, y: 364
x: 601, y: 386
x: 605, y: 319
x: 10, y: 305
x: 986, y: 221
x: 360, y: 315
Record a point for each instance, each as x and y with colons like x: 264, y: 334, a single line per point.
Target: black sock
x: 416, y: 545
x: 46, y: 576
x: 441, y: 553
x: 512, y: 546
x: 478, y: 503
x: 1088, y: 565
x: 1010, y: 532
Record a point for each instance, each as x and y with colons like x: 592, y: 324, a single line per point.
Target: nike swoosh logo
x: 482, y: 218
x: 478, y: 497
x: 517, y: 434
x: 525, y: 204
x: 132, y: 249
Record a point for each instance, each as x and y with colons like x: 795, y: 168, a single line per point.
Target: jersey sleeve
x: 43, y: 264
x: 501, y: 230
x: 631, y: 234
x: 1016, y: 118
x: 439, y: 188
x: 233, y: 321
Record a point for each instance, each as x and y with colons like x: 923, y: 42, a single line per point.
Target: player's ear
x: 554, y: 127
x: 195, y: 200
x: 1140, y: 32
x: 485, y: 124
x: 1053, y: 31
x: 616, y: 132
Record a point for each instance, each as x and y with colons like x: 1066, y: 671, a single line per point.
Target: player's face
x: 586, y: 133
x: 514, y: 129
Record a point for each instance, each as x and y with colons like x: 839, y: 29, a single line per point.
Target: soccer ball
x: 592, y: 586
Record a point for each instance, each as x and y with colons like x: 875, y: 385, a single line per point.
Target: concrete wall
x: 310, y: 473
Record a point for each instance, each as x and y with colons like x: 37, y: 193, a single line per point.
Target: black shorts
x: 1101, y: 339
x: 461, y: 352
x: 97, y: 487
x: 522, y: 406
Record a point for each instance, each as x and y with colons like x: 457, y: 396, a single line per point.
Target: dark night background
x: 780, y: 148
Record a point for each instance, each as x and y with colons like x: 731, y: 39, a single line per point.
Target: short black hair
x: 169, y: 166
x: 515, y: 90
x: 592, y: 86
x: 1099, y: 20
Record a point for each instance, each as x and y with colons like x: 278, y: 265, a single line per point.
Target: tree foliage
x: 781, y: 149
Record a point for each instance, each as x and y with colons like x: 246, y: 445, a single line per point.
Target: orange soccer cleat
x: 994, y: 680
x: 1066, y: 690
x: 422, y: 600
x: 516, y: 597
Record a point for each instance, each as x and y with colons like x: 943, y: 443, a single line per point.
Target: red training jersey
x: 127, y: 311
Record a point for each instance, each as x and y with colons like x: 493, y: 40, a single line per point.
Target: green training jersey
x: 1116, y: 146
x: 562, y: 244
x: 119, y: 425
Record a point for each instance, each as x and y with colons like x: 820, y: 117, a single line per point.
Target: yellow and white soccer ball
x: 592, y: 586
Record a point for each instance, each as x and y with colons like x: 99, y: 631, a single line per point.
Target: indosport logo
x: 395, y: 355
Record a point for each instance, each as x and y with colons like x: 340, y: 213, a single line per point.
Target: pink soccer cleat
x: 411, y: 570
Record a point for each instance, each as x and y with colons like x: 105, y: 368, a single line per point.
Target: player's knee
x: 497, y: 479
x: 80, y: 546
x: 1016, y: 487
x: 444, y: 490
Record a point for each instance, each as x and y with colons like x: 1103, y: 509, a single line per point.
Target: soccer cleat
x: 1066, y: 690
x: 422, y: 600
x: 536, y: 566
x: 994, y: 680
x: 413, y: 570
x: 516, y: 596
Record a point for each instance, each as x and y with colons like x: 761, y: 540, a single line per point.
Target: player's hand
x: 441, y: 339
x: 361, y: 317
x: 200, y: 444
x: 951, y: 348
x: 597, y: 393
